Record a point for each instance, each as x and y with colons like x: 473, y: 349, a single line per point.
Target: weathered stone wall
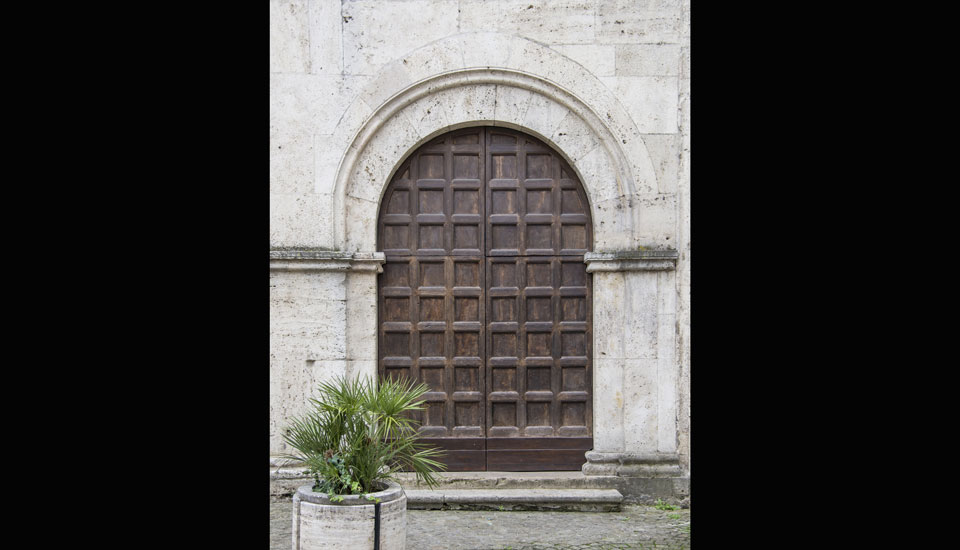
x: 357, y: 85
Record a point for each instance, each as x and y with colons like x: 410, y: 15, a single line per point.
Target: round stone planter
x: 319, y: 523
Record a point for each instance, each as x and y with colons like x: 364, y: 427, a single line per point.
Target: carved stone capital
x: 631, y: 260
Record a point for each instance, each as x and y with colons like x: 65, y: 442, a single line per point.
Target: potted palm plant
x: 358, y: 435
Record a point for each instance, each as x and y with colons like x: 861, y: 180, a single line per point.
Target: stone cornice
x: 326, y: 260
x: 631, y: 260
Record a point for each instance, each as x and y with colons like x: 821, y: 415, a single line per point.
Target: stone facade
x: 358, y: 85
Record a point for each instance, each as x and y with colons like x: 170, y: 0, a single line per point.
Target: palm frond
x: 364, y: 432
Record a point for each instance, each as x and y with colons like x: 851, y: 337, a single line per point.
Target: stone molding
x: 583, y: 138
x: 489, y: 78
x: 647, y: 465
x: 326, y: 260
x: 631, y: 260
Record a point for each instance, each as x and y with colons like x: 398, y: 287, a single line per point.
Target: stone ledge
x: 631, y: 260
x: 582, y: 500
x: 326, y: 260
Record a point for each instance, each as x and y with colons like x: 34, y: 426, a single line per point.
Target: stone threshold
x: 633, y: 490
x: 560, y: 500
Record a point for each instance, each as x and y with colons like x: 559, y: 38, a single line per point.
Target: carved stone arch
x: 501, y: 80
x: 486, y: 97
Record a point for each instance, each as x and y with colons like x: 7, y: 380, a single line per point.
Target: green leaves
x: 359, y: 434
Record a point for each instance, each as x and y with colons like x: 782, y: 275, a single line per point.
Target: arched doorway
x: 484, y: 296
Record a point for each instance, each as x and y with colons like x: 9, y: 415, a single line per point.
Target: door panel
x: 485, y: 298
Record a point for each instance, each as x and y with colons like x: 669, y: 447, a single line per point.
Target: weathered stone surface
x: 631, y: 22
x: 664, y: 150
x: 319, y: 523
x: 651, y: 101
x: 377, y: 31
x: 598, y: 59
x: 291, y: 162
x: 647, y: 59
x: 289, y: 37
x: 326, y: 48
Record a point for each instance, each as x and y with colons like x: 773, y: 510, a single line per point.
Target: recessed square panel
x: 431, y: 309
x: 504, y: 344
x: 539, y: 201
x: 504, y: 379
x: 431, y: 344
x: 539, y: 166
x: 539, y: 308
x: 573, y: 344
x: 570, y: 202
x: 431, y: 167
x: 467, y: 274
x: 431, y: 236
x: 502, y: 139
x: 431, y: 201
x: 538, y: 414
x: 539, y: 274
x: 503, y: 201
x: 538, y: 344
x: 396, y: 236
x: 573, y: 308
x: 466, y: 201
x: 467, y: 344
x: 466, y: 236
x: 466, y: 309
x: 396, y: 309
x: 504, y: 274
x: 433, y: 415
x: 538, y: 379
x: 574, y: 237
x: 396, y: 274
x: 466, y: 166
x: 503, y: 309
x: 399, y: 202
x: 467, y: 379
x: 504, y: 414
x: 573, y: 274
x: 431, y: 274
x: 573, y: 413
x: 396, y: 344
x: 574, y: 379
x: 467, y: 414
x: 504, y: 237
x: 432, y: 377
x: 539, y: 236
x: 503, y: 166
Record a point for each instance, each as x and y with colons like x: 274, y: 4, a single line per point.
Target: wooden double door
x: 485, y: 298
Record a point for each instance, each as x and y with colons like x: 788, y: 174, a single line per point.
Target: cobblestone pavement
x: 635, y: 527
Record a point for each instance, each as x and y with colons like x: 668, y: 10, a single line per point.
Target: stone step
x: 639, y: 490
x: 572, y: 500
x: 511, y: 480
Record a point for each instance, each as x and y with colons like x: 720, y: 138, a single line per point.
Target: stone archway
x: 635, y: 338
